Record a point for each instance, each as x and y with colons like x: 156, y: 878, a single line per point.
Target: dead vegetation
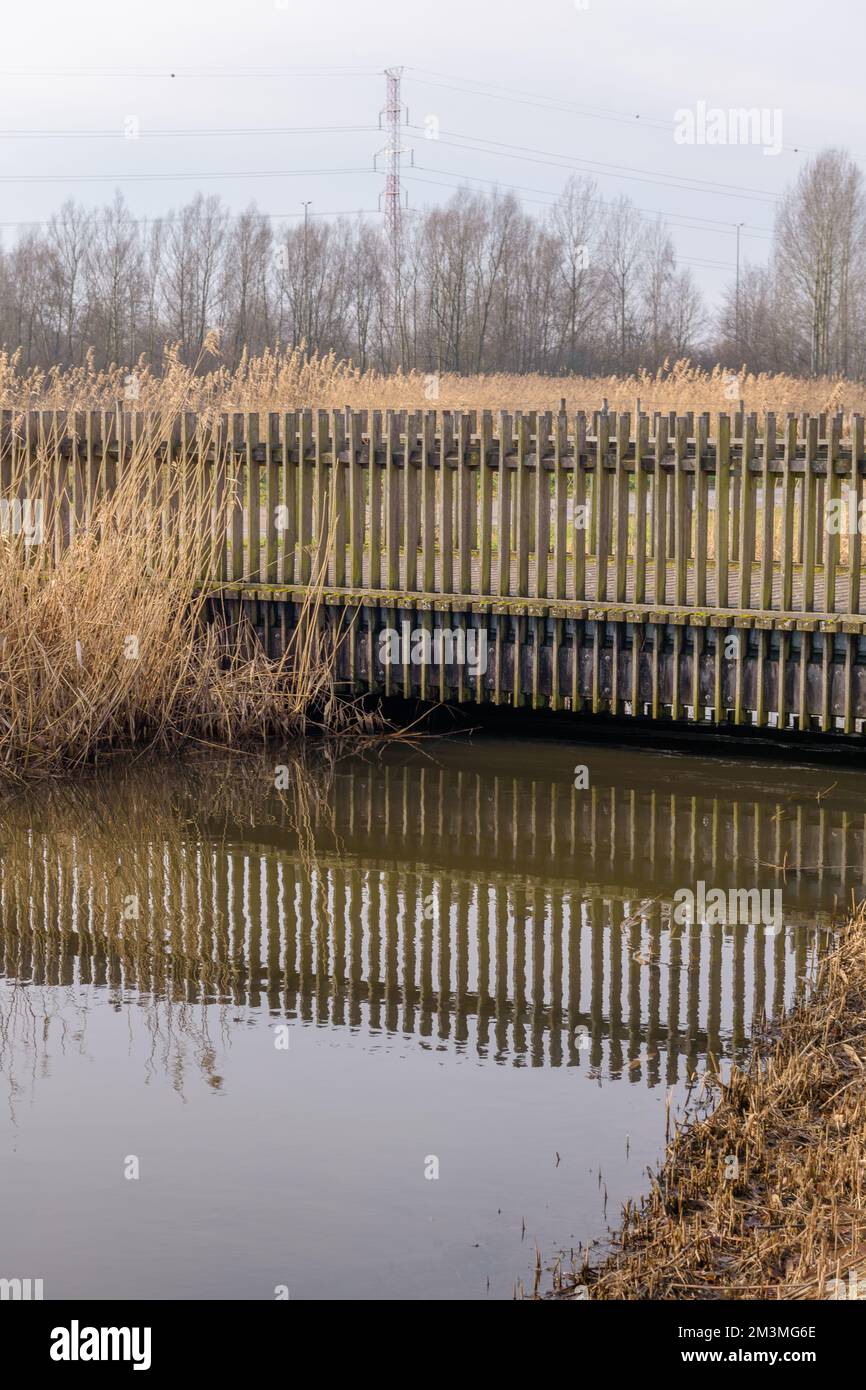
x: 103, y: 643
x: 290, y: 379
x: 764, y: 1197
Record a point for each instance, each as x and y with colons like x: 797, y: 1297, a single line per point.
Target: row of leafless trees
x: 804, y: 312
x: 480, y: 285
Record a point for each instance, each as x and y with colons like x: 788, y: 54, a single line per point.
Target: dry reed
x: 103, y: 647
x: 763, y: 1198
x: 292, y: 379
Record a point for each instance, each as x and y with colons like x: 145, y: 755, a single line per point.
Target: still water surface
x: 471, y: 960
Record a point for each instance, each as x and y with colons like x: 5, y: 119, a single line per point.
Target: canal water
x: 390, y: 1025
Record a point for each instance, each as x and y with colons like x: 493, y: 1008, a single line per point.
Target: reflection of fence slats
x: 515, y: 916
x: 385, y: 948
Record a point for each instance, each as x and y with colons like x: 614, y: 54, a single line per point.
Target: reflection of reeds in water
x: 357, y: 898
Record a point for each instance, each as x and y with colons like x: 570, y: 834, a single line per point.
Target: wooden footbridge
x: 692, y: 568
x: 687, y: 568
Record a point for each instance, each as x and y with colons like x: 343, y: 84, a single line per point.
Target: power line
x: 323, y: 70
x: 531, y: 155
x: 714, y: 223
x: 601, y: 113
x: 159, y: 178
x: 145, y: 133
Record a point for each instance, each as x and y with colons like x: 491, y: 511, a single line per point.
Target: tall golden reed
x: 103, y: 646
x: 291, y: 379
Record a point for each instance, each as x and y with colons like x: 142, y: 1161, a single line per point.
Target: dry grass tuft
x: 792, y: 1222
x: 103, y: 647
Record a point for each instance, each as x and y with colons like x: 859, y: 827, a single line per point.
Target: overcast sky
x: 541, y: 87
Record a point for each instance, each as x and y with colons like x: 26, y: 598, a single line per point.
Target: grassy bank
x: 765, y: 1197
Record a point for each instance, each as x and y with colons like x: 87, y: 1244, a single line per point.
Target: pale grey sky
x: 522, y: 94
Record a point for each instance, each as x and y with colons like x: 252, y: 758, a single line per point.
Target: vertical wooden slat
x: 702, y: 510
x: 323, y: 494
x: 286, y: 495
x: 220, y: 521
x: 357, y: 501
x: 810, y: 519
x: 410, y: 508
x: 465, y: 504
x: 254, y: 503
x: 485, y: 503
x: 560, y: 508
x: 723, y: 483
x: 768, y: 499
x: 660, y: 487
x: 748, y: 487
x: 78, y: 434
x: 340, y: 522
x: 782, y: 666
x: 542, y: 506
x: 601, y: 506
x: 428, y: 507
x: 680, y: 538
x: 803, y: 719
x: 446, y: 504
x: 237, y: 485
x: 521, y: 540
x: 640, y: 508
x: 832, y: 493
x: 374, y: 488
x: 307, y: 475
x: 578, y: 519
x: 622, y: 494
x: 855, y: 544
x: 786, y: 542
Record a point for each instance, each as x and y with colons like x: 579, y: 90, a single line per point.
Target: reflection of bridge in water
x: 515, y: 919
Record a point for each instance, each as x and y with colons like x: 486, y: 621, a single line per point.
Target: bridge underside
x: 693, y: 666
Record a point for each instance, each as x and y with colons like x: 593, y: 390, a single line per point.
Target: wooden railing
x: 730, y: 511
